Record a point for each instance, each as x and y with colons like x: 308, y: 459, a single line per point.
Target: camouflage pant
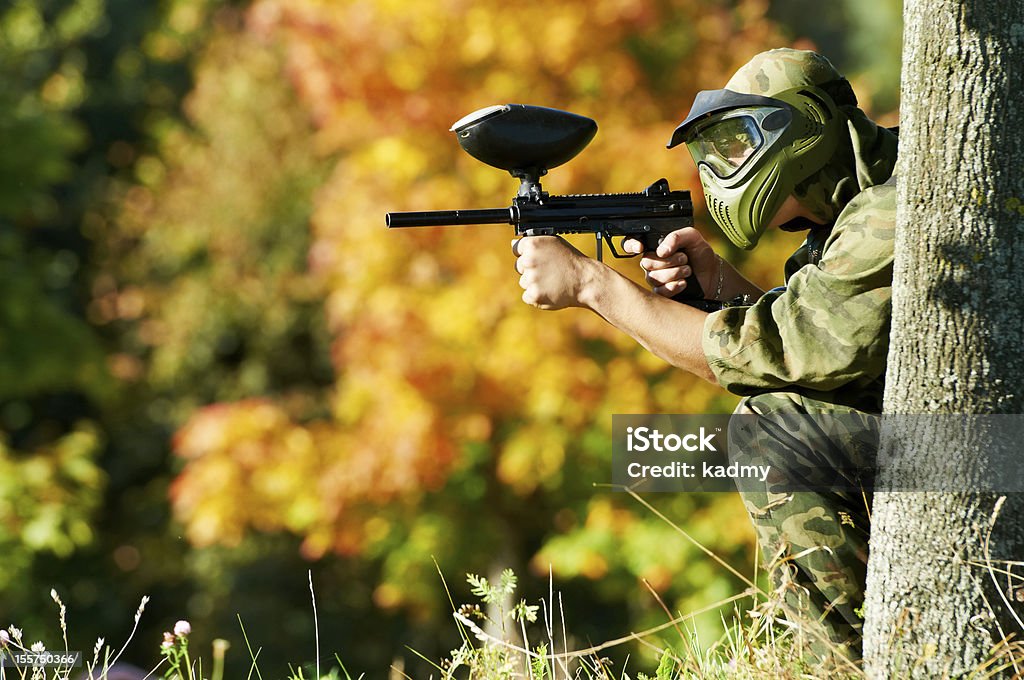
x: 812, y: 513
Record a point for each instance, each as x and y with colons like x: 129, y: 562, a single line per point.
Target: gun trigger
x: 616, y: 253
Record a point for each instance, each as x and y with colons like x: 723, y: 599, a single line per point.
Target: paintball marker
x: 529, y: 140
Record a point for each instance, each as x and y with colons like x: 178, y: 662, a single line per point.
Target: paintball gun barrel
x: 527, y: 141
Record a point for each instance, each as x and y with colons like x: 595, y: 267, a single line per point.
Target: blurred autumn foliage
x: 195, y: 261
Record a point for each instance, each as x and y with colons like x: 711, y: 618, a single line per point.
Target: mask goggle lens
x: 726, y: 144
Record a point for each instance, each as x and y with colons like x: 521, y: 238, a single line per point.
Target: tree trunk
x: 934, y: 609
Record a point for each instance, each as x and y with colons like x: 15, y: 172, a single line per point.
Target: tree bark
x: 937, y: 602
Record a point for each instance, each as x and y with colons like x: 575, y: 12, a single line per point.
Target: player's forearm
x: 666, y: 328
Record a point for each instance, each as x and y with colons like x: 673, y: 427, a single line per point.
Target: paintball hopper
x: 524, y: 140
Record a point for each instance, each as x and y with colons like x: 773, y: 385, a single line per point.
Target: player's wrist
x: 592, y: 282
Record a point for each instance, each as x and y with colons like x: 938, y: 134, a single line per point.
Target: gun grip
x: 693, y: 290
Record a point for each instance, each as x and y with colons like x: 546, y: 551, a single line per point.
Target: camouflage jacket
x: 826, y: 334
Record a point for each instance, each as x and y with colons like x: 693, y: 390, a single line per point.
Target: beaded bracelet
x: 721, y: 279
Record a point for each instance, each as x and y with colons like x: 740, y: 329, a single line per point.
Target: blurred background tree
x: 51, y: 361
x: 86, y: 85
x: 193, y: 248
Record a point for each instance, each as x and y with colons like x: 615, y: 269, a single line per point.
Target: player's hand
x: 679, y: 254
x: 553, y: 273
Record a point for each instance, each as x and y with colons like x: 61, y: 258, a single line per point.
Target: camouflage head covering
x: 775, y: 71
x: 866, y: 154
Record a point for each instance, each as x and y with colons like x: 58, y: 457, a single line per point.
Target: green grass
x: 503, y: 638
x: 755, y: 642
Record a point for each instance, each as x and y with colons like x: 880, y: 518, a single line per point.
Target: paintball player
x: 783, y: 145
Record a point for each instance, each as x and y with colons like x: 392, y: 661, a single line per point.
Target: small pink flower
x: 5, y: 637
x: 182, y: 628
x: 168, y: 641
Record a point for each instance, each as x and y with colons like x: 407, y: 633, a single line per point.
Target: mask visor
x: 729, y: 141
x: 725, y: 146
